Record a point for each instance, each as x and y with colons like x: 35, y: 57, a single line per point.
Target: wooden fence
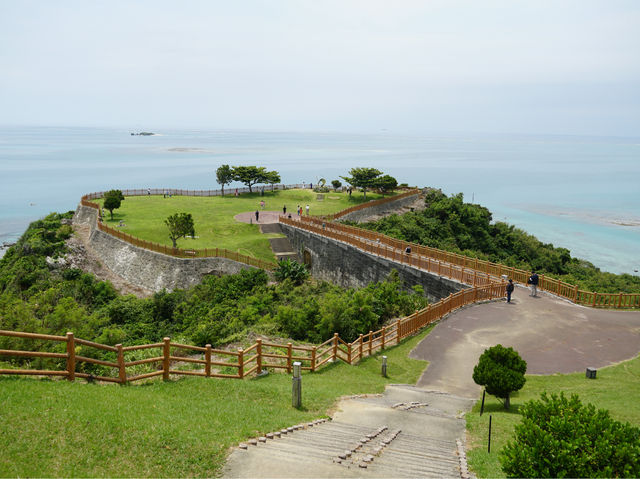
x: 171, y: 357
x: 459, y: 267
x: 369, y: 204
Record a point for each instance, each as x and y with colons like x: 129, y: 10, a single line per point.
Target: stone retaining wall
x: 384, y: 209
x: 148, y: 269
x: 349, y: 267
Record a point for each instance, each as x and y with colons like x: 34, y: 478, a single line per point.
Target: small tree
x: 272, y: 178
x: 336, y: 184
x: 180, y: 225
x: 112, y: 200
x: 363, y: 178
x: 501, y: 371
x: 559, y: 437
x: 224, y: 176
x: 386, y: 184
x: 288, y: 269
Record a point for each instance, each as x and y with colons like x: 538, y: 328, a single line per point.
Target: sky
x: 533, y: 67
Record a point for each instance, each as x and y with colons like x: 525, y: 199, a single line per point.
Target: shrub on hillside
x: 560, y: 437
x: 501, y: 371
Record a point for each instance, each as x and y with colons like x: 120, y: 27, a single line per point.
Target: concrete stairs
x: 281, y: 247
x: 404, y: 433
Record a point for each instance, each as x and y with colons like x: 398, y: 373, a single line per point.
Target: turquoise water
x: 577, y: 192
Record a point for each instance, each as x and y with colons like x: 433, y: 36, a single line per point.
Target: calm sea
x: 581, y: 193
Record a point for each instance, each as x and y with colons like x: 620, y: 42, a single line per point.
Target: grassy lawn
x: 175, y: 429
x: 617, y: 388
x: 214, y: 217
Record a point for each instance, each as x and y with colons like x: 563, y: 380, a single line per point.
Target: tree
x: 180, y: 225
x: 560, y: 437
x: 336, y: 184
x: 364, y: 178
x: 272, y: 178
x: 224, y: 176
x: 112, y: 200
x: 386, y: 184
x: 501, y: 371
x: 250, y: 175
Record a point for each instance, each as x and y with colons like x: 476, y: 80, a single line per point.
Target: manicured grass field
x: 175, y: 429
x: 617, y: 388
x: 213, y: 216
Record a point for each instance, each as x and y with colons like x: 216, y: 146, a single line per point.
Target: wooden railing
x: 462, y: 268
x: 369, y: 204
x: 245, y: 362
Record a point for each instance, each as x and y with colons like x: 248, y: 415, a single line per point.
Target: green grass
x: 175, y: 429
x: 214, y: 217
x: 617, y: 388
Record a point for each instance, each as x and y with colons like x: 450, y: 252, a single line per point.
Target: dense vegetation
x: 450, y: 224
x: 561, y: 437
x: 38, y: 296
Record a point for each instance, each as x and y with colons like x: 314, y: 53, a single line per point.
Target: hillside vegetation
x: 450, y: 224
x: 38, y: 296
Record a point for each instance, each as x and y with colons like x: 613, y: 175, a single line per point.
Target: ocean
x: 581, y: 193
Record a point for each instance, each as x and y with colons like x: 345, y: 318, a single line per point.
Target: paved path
x: 552, y: 335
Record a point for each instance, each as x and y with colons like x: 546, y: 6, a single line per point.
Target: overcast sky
x: 565, y: 67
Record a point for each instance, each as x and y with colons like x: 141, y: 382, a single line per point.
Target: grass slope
x: 214, y: 217
x: 175, y: 429
x: 616, y: 389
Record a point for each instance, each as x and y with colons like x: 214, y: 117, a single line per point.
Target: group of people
x: 299, y: 210
x: 533, y: 281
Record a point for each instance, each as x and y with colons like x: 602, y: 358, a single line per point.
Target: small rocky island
x: 143, y: 133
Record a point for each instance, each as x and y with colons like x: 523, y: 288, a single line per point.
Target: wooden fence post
x: 166, y: 361
x: 398, y: 331
x: 207, y: 358
x: 71, y: 357
x: 335, y: 346
x: 370, y: 341
x: 360, y: 347
x: 289, y: 354
x: 349, y: 353
x: 259, y: 355
x: 122, y: 372
x: 313, y: 359
x: 240, y: 363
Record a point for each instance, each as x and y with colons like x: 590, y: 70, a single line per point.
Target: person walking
x: 510, y: 288
x: 257, y: 216
x: 284, y: 210
x: 307, y: 210
x: 533, y: 281
x: 299, y: 210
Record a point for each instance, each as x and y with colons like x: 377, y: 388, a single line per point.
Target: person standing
x: 257, y: 216
x: 307, y: 210
x: 533, y: 281
x: 284, y: 210
x: 510, y: 288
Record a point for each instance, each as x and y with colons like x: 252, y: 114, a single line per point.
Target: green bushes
x: 560, y: 437
x: 450, y: 224
x: 501, y: 371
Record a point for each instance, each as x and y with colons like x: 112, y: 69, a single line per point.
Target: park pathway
x: 552, y: 335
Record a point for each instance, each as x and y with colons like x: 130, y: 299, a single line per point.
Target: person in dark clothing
x: 510, y: 288
x: 533, y: 281
x: 284, y: 210
x: 257, y: 215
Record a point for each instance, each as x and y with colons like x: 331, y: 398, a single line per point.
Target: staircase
x: 281, y: 247
x: 407, y: 432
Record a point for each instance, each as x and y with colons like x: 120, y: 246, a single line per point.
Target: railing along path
x: 461, y: 268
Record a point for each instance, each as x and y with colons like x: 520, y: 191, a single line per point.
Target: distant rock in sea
x: 143, y: 133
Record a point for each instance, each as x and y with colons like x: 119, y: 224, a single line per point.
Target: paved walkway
x: 552, y: 335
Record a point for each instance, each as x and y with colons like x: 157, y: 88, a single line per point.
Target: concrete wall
x: 347, y: 266
x: 364, y: 214
x: 148, y: 269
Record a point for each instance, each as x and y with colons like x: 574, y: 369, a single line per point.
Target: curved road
x: 551, y: 334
